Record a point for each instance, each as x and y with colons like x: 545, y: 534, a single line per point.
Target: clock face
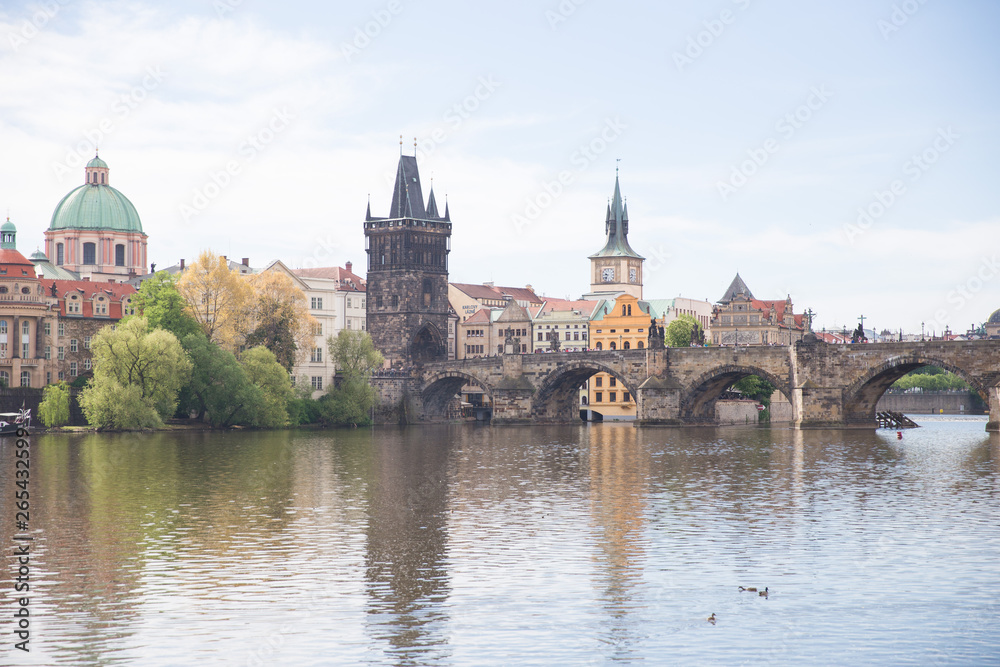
x: 608, y: 275
x: 632, y: 275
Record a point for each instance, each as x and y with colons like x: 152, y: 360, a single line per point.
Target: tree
x: 163, y: 306
x: 682, y: 331
x: 352, y: 399
x: 137, y: 374
x: 755, y: 388
x: 219, y: 389
x: 278, y: 318
x: 54, y: 408
x: 264, y: 371
x: 217, y: 298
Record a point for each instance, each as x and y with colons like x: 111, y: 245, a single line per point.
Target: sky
x: 842, y: 153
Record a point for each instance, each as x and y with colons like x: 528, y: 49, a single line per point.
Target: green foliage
x: 680, y: 332
x: 163, y: 306
x: 276, y: 332
x: 80, y: 381
x: 219, y: 389
x: 755, y: 388
x: 304, y: 411
x: 354, y: 353
x: 54, y: 408
x: 137, y: 375
x: 349, y: 403
x: 930, y: 378
x: 264, y: 371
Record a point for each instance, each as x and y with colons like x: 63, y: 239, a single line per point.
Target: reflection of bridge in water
x: 827, y: 385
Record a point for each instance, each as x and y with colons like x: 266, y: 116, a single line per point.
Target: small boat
x: 10, y: 422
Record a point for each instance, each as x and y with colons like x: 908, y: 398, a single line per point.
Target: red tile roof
x: 87, y: 290
x: 498, y: 293
x: 347, y: 280
x: 481, y: 316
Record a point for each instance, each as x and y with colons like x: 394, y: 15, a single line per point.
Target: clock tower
x: 616, y: 268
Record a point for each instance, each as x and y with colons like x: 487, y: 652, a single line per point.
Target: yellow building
x: 617, y: 324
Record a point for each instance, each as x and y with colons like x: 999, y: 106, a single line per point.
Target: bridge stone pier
x: 827, y: 385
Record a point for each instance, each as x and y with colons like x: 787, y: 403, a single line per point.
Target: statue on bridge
x: 859, y: 335
x: 657, y: 336
x: 554, y: 341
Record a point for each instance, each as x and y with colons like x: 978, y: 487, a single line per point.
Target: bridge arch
x: 698, y: 403
x: 439, y: 390
x: 862, y: 395
x: 557, y: 397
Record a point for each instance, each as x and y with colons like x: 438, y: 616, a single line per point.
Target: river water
x: 471, y: 545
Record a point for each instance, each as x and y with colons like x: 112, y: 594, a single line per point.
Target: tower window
x: 120, y: 255
x: 59, y: 254
x: 89, y: 253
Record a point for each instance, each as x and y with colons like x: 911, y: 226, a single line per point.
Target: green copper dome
x: 8, y: 226
x: 97, y: 162
x: 96, y: 207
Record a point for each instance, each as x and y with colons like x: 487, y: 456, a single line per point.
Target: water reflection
x: 406, y: 573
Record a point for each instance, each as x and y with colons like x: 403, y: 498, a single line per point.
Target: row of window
x: 614, y: 346
x: 575, y: 335
x: 612, y: 397
x: 90, y: 254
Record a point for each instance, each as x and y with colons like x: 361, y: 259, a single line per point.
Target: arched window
x: 5, y: 378
x: 623, y: 310
x: 120, y: 254
x: 90, y: 253
x: 641, y: 345
x: 630, y: 310
x: 25, y: 378
x: 612, y: 347
x: 599, y: 345
x: 626, y: 345
x: 102, y: 179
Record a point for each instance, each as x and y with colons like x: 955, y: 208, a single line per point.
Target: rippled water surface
x: 543, y: 545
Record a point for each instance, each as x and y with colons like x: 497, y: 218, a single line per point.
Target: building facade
x: 566, y: 321
x: 741, y: 319
x: 407, y: 305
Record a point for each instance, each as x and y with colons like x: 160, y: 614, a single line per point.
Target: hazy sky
x: 841, y: 152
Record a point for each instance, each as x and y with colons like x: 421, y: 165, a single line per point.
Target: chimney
x: 348, y: 267
x: 246, y: 261
x: 182, y: 265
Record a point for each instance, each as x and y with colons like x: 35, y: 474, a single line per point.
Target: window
x: 598, y: 396
x: 72, y: 368
x: 612, y: 346
x: 567, y: 335
x: 348, y: 322
x: 348, y: 302
x: 72, y: 345
x: 317, y: 382
x: 626, y: 345
x: 48, y: 377
x: 86, y: 364
x: 62, y: 328
x: 394, y: 301
x: 89, y: 255
x: 120, y: 255
x: 641, y: 345
x: 59, y: 254
x: 25, y: 328
x: 625, y: 397
x: 317, y: 355
x: 25, y: 351
x: 316, y: 303
x: 73, y: 305
x: 598, y: 381
x: 25, y: 378
x: 101, y: 306
x: 539, y: 335
x: 61, y: 352
x: 612, y: 396
x: 86, y: 342
x: 318, y: 329
x: 598, y: 345
x: 62, y: 376
x: 378, y: 301
x: 47, y: 328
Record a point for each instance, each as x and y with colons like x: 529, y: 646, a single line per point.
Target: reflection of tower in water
x: 618, y: 478
x: 405, y: 568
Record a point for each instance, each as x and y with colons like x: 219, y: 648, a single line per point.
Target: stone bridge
x: 827, y: 385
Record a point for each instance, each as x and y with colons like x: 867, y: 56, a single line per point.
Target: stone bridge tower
x: 407, y: 301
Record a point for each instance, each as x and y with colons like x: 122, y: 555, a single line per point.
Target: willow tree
x: 217, y: 297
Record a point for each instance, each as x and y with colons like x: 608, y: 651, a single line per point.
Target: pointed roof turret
x: 737, y: 288
x: 447, y: 215
x: 407, y: 197
x: 368, y: 213
x: 616, y: 227
x: 432, y: 207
